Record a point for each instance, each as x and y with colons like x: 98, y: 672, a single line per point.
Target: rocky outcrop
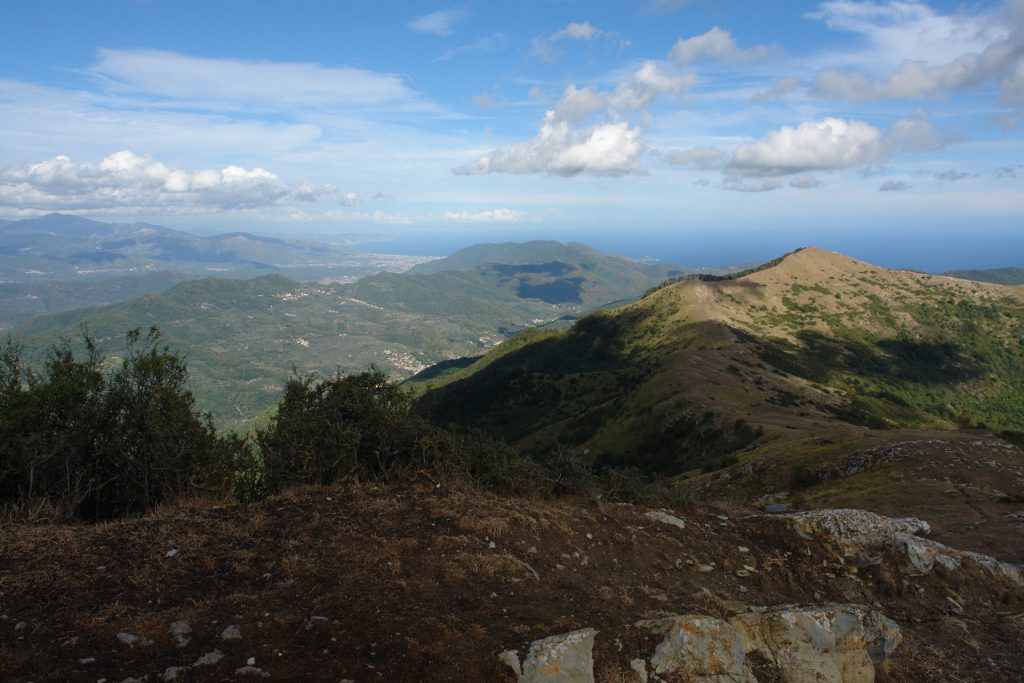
x: 865, y: 537
x: 829, y: 643
x: 706, y: 649
x: 566, y: 658
x: 820, y: 644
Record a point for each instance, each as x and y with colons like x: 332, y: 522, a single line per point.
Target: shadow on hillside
x: 818, y: 357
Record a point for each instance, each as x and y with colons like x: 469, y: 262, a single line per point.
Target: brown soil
x: 401, y: 584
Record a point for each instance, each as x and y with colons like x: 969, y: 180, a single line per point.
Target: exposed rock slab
x: 566, y: 658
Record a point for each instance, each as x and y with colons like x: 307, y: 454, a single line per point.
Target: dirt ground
x: 418, y: 583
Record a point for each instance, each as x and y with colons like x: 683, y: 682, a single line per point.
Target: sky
x: 558, y: 118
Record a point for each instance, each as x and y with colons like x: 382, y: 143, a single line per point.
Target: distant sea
x: 929, y: 250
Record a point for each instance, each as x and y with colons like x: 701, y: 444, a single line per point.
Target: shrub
x: 101, y: 444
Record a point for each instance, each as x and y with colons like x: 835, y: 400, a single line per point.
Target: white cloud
x: 543, y: 46
x: 247, y: 84
x: 125, y: 180
x: 716, y: 44
x: 824, y: 145
x: 831, y: 143
x: 438, y: 23
x: 937, y: 53
x: 489, y: 216
x: 583, y: 31
x: 781, y: 89
x: 567, y: 146
x: 814, y: 145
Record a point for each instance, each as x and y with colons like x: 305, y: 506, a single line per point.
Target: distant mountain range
x: 59, y: 262
x: 999, y: 276
x: 242, y: 337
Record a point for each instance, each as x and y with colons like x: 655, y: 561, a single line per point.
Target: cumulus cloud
x: 830, y: 143
x: 489, y: 216
x: 125, y: 180
x: 806, y: 182
x: 984, y: 47
x: 813, y: 145
x: 716, y: 44
x: 825, y: 145
x: 781, y: 89
x: 438, y: 23
x: 246, y: 84
x: 570, y: 142
x: 894, y: 186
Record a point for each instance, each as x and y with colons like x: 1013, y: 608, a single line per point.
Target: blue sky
x: 532, y: 118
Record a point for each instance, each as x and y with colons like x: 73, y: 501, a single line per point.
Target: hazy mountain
x: 999, y: 276
x: 243, y: 337
x: 815, y: 347
x: 63, y: 247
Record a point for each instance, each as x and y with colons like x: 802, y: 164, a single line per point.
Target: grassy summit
x: 699, y: 369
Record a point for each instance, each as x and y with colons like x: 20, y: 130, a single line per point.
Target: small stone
x: 20, y: 626
x: 251, y: 661
x: 87, y: 660
x: 640, y: 667
x: 665, y: 518
x: 210, y: 658
x: 127, y: 638
x: 705, y: 568
x: 743, y: 549
x: 171, y: 673
x: 253, y: 671
x: 232, y: 632
x: 775, y: 508
x: 171, y: 553
x: 70, y: 641
x: 182, y: 632
x: 560, y: 567
x: 492, y: 545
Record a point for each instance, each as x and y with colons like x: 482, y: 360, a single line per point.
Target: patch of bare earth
x: 416, y: 583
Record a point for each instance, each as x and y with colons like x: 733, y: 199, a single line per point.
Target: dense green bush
x: 98, y: 443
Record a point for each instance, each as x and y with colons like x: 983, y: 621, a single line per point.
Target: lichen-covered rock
x: 858, y: 532
x: 706, y: 649
x: 822, y: 643
x: 567, y: 658
x: 864, y: 537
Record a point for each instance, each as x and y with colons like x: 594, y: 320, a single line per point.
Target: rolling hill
x: 767, y: 382
x: 242, y: 337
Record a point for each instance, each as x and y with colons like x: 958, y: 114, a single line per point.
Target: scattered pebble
x: 182, y: 632
x: 232, y: 632
x: 171, y: 673
x: 254, y: 671
x: 210, y: 658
